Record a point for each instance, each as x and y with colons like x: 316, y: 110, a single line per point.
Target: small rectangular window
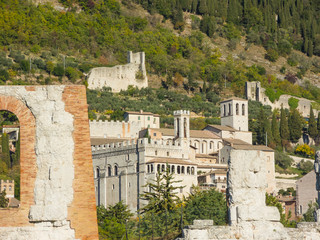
x: 138, y: 117
x: 148, y: 118
x: 154, y: 134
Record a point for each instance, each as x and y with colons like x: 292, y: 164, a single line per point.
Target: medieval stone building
x: 123, y: 166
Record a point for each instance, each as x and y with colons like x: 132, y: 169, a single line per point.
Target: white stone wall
x: 234, y: 113
x: 206, y: 146
x: 112, y: 129
x: 121, y: 76
x: 255, y: 92
x: 112, y: 187
x: 146, y: 121
x: 53, y: 190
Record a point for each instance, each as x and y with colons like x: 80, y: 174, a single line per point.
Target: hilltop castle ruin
x: 121, y: 76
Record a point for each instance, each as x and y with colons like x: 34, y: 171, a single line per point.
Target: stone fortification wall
x: 121, y: 76
x: 255, y: 92
x: 56, y: 168
x: 153, y: 148
x: 111, y: 129
x: 116, y: 147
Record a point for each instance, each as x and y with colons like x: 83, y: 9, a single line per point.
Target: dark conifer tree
x: 275, y: 129
x: 5, y: 150
x: 284, y: 130
x: 312, y: 129
x: 295, y: 125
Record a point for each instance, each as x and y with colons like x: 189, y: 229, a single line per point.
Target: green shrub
x: 293, y: 103
x: 58, y: 70
x: 273, y: 94
x: 272, y: 55
x: 282, y: 159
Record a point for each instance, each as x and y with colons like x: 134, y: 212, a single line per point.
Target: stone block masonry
x: 57, y: 189
x: 121, y: 76
x: 249, y: 217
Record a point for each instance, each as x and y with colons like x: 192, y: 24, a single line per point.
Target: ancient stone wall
x: 121, y: 76
x: 57, y: 190
x: 249, y: 217
x: 255, y: 92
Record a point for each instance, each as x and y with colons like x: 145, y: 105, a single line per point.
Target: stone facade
x: 56, y: 177
x: 306, y: 192
x: 112, y: 129
x: 8, y: 186
x: 146, y: 119
x: 121, y: 76
x: 122, y: 169
x: 255, y: 92
x: 234, y: 113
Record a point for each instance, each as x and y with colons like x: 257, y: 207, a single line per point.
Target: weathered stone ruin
x: 249, y: 217
x: 121, y: 76
x: 56, y: 181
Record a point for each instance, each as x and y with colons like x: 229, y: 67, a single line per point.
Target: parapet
x: 181, y: 112
x: 125, y: 145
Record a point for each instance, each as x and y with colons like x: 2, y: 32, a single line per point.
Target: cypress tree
x: 275, y: 129
x: 17, y: 153
x: 5, y: 149
x: 284, y: 130
x: 312, y: 129
x: 261, y: 131
x: 310, y: 48
x: 270, y: 139
x: 295, y: 125
x: 318, y: 126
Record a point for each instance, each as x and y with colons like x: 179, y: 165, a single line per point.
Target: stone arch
x: 109, y: 171
x: 28, y: 169
x: 97, y: 172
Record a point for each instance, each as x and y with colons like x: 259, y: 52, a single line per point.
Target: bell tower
x: 181, y: 124
x: 234, y: 113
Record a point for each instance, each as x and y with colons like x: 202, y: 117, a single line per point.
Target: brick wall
x: 19, y: 217
x: 82, y: 212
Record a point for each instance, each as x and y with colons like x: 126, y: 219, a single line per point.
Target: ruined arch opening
x: 9, y: 159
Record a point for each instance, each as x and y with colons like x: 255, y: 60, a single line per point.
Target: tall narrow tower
x: 181, y: 124
x: 234, y: 113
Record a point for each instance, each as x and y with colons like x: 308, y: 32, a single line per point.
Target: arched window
x: 243, y: 110
x: 156, y: 152
x: 148, y: 168
x: 178, y: 169
x: 97, y: 172
x: 109, y: 171
x: 163, y: 168
x: 229, y: 109
x: 116, y: 170
x: 158, y: 168
x: 182, y: 169
x: 192, y: 170
x: 172, y: 168
x: 237, y: 108
x: 224, y: 110
x: 152, y: 168
x: 188, y: 170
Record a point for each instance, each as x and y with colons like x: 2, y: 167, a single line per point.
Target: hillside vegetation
x: 42, y: 45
